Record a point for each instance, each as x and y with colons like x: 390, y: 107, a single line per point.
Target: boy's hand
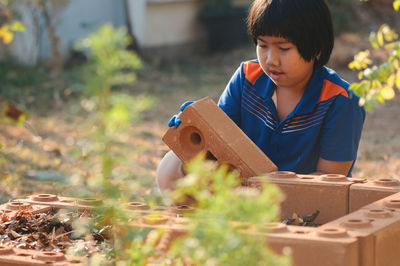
x: 175, y: 121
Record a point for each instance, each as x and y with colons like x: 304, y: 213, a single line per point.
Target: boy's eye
x: 284, y: 48
x: 262, y: 46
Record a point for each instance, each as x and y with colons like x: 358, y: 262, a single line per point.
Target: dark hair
x: 306, y: 23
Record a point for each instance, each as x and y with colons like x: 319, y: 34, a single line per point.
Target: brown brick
x: 311, y: 246
x: 304, y: 194
x: 18, y: 257
x: 60, y: 202
x: 10, y: 208
x: 377, y: 230
x: 206, y: 128
x: 368, y: 191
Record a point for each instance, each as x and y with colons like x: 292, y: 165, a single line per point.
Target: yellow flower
x: 6, y: 36
x: 387, y: 93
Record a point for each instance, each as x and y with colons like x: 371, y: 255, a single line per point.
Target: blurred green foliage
x: 378, y: 82
x: 219, y: 201
x: 111, y: 112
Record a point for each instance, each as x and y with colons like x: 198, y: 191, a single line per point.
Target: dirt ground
x: 54, y: 144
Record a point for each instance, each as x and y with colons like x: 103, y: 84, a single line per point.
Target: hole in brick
x: 184, y: 208
x: 378, y: 213
x: 272, y: 227
x: 50, y: 256
x: 210, y: 156
x: 49, y: 253
x: 332, y: 232
x: 333, y: 177
x: 306, y: 177
x: 155, y: 219
x: 67, y: 201
x: 45, y: 197
x: 387, y: 182
x: 195, y: 138
x: 357, y: 223
x: 300, y: 232
x: 23, y: 254
x: 192, y: 140
x: 5, y: 250
x: 17, y: 205
x: 137, y: 205
x: 75, y: 261
x: 393, y: 204
x: 89, y: 201
x: 283, y: 174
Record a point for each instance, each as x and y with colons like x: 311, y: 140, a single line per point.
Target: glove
x: 175, y: 121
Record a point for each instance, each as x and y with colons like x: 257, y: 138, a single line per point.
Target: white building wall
x: 155, y: 23
x: 172, y: 22
x: 80, y: 18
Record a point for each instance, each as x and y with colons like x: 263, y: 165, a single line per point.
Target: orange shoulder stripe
x: 252, y: 71
x: 330, y: 89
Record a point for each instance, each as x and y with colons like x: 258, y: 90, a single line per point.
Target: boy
x: 297, y: 111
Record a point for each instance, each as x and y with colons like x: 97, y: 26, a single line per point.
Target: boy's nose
x: 272, y: 59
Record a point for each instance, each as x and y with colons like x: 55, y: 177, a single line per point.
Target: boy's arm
x: 333, y: 167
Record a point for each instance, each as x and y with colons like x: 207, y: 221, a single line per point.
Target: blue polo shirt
x: 326, y: 123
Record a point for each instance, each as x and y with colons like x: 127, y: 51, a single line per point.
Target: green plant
x: 219, y: 201
x: 112, y: 112
x: 378, y: 81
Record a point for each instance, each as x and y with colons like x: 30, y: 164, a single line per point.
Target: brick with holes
x: 305, y: 194
x: 364, y: 191
x: 206, y: 128
x: 17, y: 257
x: 330, y: 246
x: 377, y: 229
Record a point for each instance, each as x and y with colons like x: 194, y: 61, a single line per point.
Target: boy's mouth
x: 275, y: 74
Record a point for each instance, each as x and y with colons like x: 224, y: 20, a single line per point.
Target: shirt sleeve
x: 230, y: 99
x: 341, y: 130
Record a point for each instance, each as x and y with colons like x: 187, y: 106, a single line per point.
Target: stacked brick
x: 360, y: 219
x: 23, y: 257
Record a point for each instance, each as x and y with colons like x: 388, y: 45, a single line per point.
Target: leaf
x: 14, y: 114
x: 390, y: 81
x: 373, y: 40
x: 379, y: 37
x: 398, y: 79
x: 387, y: 93
x: 396, y: 5
x: 6, y: 36
x: 18, y: 26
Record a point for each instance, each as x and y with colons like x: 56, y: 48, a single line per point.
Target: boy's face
x: 282, y: 62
